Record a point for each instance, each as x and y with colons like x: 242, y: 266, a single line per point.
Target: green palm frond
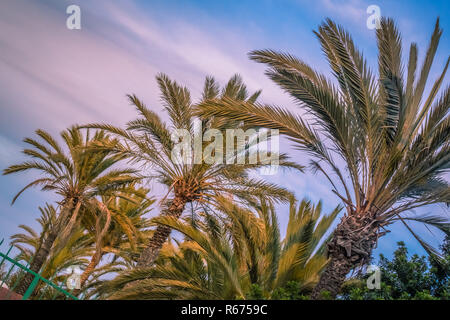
x: 222, y: 256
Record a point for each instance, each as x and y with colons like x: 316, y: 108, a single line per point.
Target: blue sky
x: 52, y: 77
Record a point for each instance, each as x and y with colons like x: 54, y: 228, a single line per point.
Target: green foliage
x: 326, y: 295
x: 406, y: 278
x: 292, y: 291
x: 256, y: 292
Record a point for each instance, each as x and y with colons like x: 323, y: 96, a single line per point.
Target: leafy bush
x: 406, y: 278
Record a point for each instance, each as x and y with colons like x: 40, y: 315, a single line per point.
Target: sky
x: 52, y: 77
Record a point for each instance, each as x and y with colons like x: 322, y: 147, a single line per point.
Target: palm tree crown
x: 78, y: 173
x: 147, y: 140
x: 382, y: 132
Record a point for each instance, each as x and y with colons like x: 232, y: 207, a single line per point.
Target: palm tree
x: 390, y: 140
x: 79, y: 245
x: 223, y: 256
x: 147, y: 140
x: 123, y: 233
x: 78, y: 175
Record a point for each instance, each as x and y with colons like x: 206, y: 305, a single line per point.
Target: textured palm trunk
x: 38, y: 261
x: 43, y: 252
x: 351, y: 246
x: 151, y: 252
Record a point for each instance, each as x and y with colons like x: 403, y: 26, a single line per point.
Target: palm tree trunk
x: 37, y: 262
x: 44, y: 250
x: 351, y: 246
x: 332, y: 277
x: 151, y: 252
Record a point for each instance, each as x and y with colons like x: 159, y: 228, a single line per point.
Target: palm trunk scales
x: 351, y: 246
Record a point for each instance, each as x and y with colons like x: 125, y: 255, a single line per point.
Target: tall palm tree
x: 147, y: 140
x: 121, y: 234
x: 223, y: 256
x: 78, y: 174
x: 382, y: 132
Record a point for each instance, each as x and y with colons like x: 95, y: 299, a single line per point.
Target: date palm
x: 147, y: 140
x: 76, y: 173
x: 224, y: 255
x: 380, y: 141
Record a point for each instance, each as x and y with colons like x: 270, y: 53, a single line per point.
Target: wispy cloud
x: 9, y: 152
x: 80, y: 76
x: 353, y: 10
